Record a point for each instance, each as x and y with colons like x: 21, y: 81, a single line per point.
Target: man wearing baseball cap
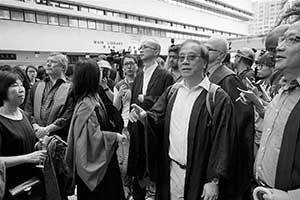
x: 243, y: 61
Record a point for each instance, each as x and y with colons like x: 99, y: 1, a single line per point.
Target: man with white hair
x: 195, y: 151
x: 49, y: 104
x: 148, y: 86
x: 221, y: 75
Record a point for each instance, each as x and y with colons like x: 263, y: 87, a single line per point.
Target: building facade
x: 266, y: 14
x: 30, y: 29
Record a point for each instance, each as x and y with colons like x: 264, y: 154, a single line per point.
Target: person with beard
x: 221, y: 75
x: 173, y: 62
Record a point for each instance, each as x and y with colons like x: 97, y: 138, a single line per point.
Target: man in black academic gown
x: 195, y: 151
x: 229, y: 81
x: 147, y: 87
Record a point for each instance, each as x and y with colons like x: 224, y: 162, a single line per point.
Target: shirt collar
x: 151, y: 68
x: 205, y: 83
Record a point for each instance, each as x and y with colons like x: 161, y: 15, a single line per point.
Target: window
x: 41, y: 18
x: 122, y: 15
x: 63, y: 21
x: 142, y: 19
x: 92, y: 10
x: 163, y: 34
x: 100, y: 26
x: 108, y: 13
x: 150, y: 20
x: 116, y: 28
x: 52, y: 19
x: 73, y: 7
x: 4, y: 13
x: 64, y: 5
x: 128, y: 29
x: 54, y: 4
x: 100, y: 12
x: 122, y: 28
x: 29, y: 16
x: 17, y: 15
x: 45, y: 2
x: 91, y: 24
x: 84, y: 9
x: 73, y: 22
x: 141, y: 30
x: 135, y: 30
x: 107, y: 27
x: 82, y: 23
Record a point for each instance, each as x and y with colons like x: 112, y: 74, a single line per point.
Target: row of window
x: 203, y: 8
x: 129, y: 16
x: 61, y: 20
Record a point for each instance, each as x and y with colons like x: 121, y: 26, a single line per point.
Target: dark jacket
x: 158, y: 83
x: 244, y: 113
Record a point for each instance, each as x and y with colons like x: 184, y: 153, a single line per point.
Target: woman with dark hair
x: 91, y: 153
x: 22, y: 76
x: 31, y: 73
x: 17, y: 137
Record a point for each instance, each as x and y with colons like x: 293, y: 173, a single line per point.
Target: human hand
x: 103, y: 83
x: 121, y: 138
x: 35, y: 127
x: 41, y: 132
x: 276, y: 195
x: 137, y: 113
x: 36, y: 156
x: 210, y: 191
x: 141, y: 98
x: 249, y: 96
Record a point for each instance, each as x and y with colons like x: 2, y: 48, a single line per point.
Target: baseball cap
x: 246, y: 53
x: 104, y: 64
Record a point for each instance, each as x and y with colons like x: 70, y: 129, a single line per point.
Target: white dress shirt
x: 179, y: 127
x: 147, y: 76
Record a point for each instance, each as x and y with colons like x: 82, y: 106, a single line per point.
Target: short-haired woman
x: 91, y: 154
x: 17, y: 138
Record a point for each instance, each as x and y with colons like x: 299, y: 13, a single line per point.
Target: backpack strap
x: 211, y: 98
x: 172, y: 91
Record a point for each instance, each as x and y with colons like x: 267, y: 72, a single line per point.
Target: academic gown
x: 244, y: 113
x: 210, y: 145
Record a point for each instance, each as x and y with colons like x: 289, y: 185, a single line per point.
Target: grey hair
x: 62, y: 59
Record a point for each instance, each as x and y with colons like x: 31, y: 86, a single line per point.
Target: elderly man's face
x: 147, y: 51
x: 54, y: 67
x: 191, y: 64
x: 288, y: 50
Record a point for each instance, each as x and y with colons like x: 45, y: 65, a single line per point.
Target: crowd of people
x: 194, y: 126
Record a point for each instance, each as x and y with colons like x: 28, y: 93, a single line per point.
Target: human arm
x: 275, y: 194
x: 34, y: 157
x: 117, y: 102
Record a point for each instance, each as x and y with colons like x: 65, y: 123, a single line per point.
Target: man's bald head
x: 218, y: 48
x: 218, y: 43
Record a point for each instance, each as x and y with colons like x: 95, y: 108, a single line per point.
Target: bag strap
x: 211, y: 98
x: 172, y: 91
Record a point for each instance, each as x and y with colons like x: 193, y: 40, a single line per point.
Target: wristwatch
x: 215, y: 181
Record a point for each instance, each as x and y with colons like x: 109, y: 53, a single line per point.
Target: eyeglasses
x: 290, y: 40
x: 129, y: 63
x: 188, y: 57
x: 212, y: 49
x: 173, y: 57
